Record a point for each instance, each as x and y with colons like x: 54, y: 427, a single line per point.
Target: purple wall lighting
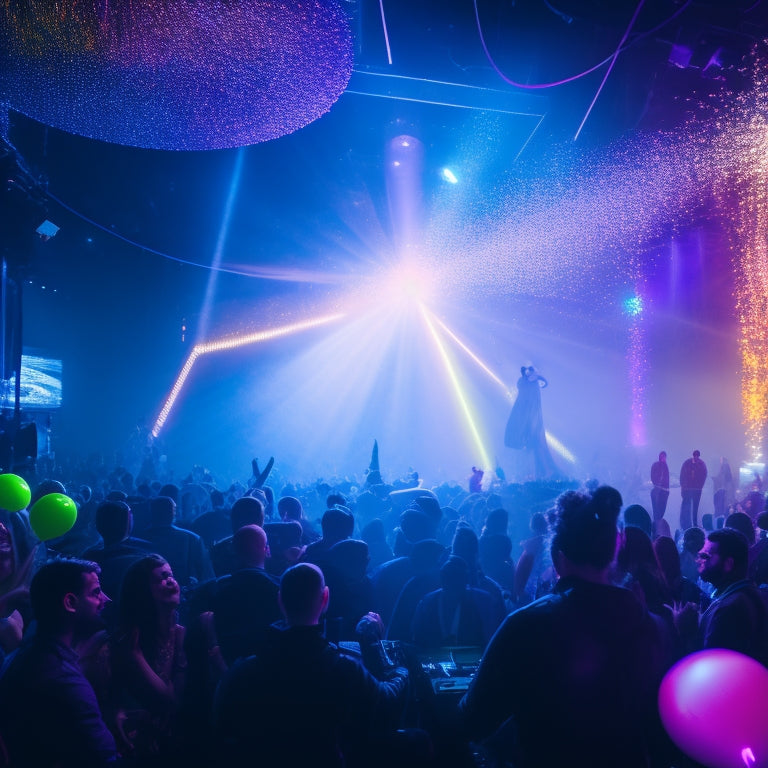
x: 175, y: 74
x: 637, y: 365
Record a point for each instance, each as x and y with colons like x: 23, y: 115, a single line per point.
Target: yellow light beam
x: 457, y: 389
x: 553, y: 442
x: 511, y: 395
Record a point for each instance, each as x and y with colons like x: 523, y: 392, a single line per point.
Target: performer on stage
x: 525, y: 427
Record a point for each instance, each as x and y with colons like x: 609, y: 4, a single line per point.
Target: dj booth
x: 439, y: 679
x: 450, y: 670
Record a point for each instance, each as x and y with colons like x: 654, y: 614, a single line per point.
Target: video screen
x: 40, y: 384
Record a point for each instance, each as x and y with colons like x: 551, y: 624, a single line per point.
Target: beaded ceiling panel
x: 174, y: 74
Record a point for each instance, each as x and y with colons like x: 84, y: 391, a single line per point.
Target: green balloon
x: 52, y: 516
x: 14, y: 493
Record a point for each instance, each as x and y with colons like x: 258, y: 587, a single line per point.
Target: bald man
x: 303, y: 701
x: 245, y: 602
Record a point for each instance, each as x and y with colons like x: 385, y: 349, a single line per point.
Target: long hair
x: 137, y: 607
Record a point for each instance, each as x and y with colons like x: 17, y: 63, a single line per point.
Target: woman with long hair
x: 148, y: 662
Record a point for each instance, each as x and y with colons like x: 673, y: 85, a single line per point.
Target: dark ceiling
x: 673, y: 49
x: 676, y: 55
x: 319, y: 196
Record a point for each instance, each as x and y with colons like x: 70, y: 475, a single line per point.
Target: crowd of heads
x: 362, y: 549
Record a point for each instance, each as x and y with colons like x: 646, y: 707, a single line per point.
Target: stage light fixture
x: 449, y: 176
x: 633, y: 305
x: 47, y: 230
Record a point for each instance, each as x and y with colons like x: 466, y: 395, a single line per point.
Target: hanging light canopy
x: 174, y: 74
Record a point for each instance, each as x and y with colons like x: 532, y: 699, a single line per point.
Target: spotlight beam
x: 457, y: 388
x: 231, y: 342
x: 210, y: 290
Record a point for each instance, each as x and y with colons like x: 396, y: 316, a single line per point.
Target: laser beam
x: 553, y: 442
x: 457, y: 388
x: 474, y: 357
x: 213, y: 275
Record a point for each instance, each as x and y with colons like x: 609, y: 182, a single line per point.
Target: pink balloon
x: 714, y: 705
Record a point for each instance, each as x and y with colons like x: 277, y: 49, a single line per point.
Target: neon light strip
x: 457, y: 389
x: 232, y: 342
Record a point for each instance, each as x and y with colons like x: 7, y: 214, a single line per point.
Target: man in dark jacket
x: 49, y: 715
x: 737, y: 617
x: 693, y: 475
x: 245, y: 602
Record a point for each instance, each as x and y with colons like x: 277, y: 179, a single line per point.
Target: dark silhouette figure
x: 660, y: 490
x: 572, y: 679
x: 525, y: 427
x: 693, y: 475
x: 302, y: 701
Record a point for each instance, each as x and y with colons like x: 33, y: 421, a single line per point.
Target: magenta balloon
x: 714, y: 705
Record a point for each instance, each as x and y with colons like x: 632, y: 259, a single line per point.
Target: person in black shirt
x: 245, y: 602
x: 302, y: 700
x: 49, y: 715
x: 571, y: 679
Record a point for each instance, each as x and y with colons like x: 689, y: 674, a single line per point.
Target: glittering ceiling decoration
x: 174, y: 74
x: 742, y: 149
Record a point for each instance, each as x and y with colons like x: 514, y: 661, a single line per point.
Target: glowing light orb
x: 174, y: 74
x: 633, y: 305
x: 449, y: 176
x: 406, y: 286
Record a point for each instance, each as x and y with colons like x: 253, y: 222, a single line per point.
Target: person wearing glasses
x: 737, y: 617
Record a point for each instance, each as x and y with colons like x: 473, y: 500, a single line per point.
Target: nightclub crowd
x: 363, y: 624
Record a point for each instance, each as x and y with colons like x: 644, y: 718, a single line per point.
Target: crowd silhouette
x: 295, y: 624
